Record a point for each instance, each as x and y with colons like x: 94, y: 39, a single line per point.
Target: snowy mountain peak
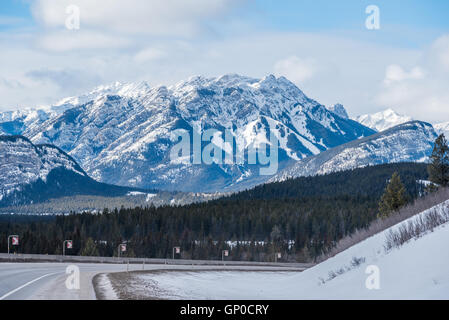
x: 442, y: 128
x: 383, y: 120
x: 339, y: 110
x: 129, y: 89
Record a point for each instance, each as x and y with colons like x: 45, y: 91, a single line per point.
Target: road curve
x: 46, y: 281
x: 22, y: 281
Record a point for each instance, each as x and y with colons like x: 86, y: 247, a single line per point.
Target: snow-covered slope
x: 383, y: 120
x: 442, y: 128
x: 416, y: 270
x: 22, y: 163
x: 120, y: 134
x: 408, y: 142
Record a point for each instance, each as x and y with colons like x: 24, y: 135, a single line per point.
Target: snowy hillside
x: 121, y: 134
x: 415, y: 270
x: 383, y: 120
x: 33, y: 174
x: 409, y: 142
x: 22, y: 163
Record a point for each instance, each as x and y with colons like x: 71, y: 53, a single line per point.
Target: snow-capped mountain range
x: 383, y: 120
x: 120, y: 134
x: 409, y: 142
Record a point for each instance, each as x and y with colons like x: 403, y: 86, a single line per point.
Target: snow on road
x: 417, y: 270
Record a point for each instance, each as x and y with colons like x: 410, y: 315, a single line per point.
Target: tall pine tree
x: 393, y: 198
x: 438, y: 168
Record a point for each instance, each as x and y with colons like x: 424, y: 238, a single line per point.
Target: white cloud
x: 440, y: 51
x: 296, y: 69
x: 154, y: 17
x: 349, y: 75
x: 149, y: 54
x: 395, y: 73
x: 159, y: 41
x: 423, y: 91
x: 66, y: 78
x: 67, y: 40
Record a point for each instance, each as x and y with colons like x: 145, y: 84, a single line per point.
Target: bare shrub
x: 416, y: 228
x: 332, y: 275
x: 357, y: 261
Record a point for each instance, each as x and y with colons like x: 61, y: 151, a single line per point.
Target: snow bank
x: 104, y: 286
x: 417, y: 270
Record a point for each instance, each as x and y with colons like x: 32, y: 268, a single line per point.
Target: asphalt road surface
x: 47, y: 281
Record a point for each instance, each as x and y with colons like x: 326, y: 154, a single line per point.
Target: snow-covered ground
x: 105, y: 287
x: 417, y: 270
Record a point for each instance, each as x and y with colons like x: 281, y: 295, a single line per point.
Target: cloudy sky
x: 322, y: 45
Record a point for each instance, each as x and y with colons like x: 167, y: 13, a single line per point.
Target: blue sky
x: 321, y: 45
x: 15, y: 9
x: 324, y: 14
x: 398, y: 17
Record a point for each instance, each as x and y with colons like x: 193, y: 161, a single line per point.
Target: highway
x: 22, y: 281
x: 47, y: 280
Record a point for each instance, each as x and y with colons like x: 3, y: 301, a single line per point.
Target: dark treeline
x: 300, y: 218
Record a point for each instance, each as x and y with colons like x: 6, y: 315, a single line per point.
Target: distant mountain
x: 339, y: 110
x: 383, y: 120
x: 15, y: 122
x: 442, y: 128
x: 34, y: 173
x: 120, y: 134
x: 409, y: 142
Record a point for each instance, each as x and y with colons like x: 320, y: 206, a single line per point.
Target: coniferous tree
x: 393, y: 198
x: 90, y: 249
x: 438, y: 168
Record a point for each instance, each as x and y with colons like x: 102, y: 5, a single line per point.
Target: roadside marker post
x: 277, y: 256
x: 224, y: 253
x: 14, y: 240
x: 67, y: 244
x: 176, y: 250
x: 121, y: 248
